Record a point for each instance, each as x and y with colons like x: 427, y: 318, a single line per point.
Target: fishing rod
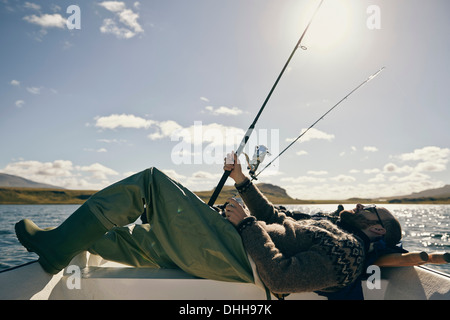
x: 323, y: 116
x: 226, y: 174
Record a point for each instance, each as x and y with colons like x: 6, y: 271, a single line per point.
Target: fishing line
x: 246, y: 137
x: 323, y: 116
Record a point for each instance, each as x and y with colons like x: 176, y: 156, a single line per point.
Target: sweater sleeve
x: 259, y: 206
x: 303, y: 272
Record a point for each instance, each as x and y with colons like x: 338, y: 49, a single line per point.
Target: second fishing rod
x: 253, y: 168
x: 254, y: 176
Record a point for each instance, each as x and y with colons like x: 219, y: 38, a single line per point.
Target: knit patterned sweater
x: 297, y: 256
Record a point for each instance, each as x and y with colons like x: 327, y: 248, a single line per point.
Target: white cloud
x: 118, y: 141
x: 313, y: 134
x: 224, y: 111
x: 55, y: 8
x: 321, y: 191
x: 430, y: 166
x: 110, y: 26
x: 197, y: 181
x: 203, y: 175
x: 174, y: 175
x: 317, y: 173
x: 67, y: 45
x: 431, y: 159
x: 33, y: 169
x: 15, y: 83
x: 378, y: 178
x: 204, y: 142
x: 165, y: 129
x: 414, y: 176
x: 101, y: 150
x: 34, y: 90
x: 371, y: 171
x: 393, y: 168
x: 98, y: 171
x: 47, y: 20
x: 125, y: 25
x: 115, y: 121
x: 430, y: 153
x: 370, y: 149
x: 406, y: 173
x: 20, y: 103
x: 33, y: 6
x: 204, y: 99
x: 303, y: 179
x: 129, y: 18
x: 342, y: 178
x: 113, y: 6
x: 63, y: 173
x: 214, y: 133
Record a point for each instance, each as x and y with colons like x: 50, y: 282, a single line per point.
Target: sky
x: 94, y: 91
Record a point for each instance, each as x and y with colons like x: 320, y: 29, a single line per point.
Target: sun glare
x: 330, y: 26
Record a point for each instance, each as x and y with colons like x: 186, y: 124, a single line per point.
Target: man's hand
x: 231, y: 163
x: 235, y: 212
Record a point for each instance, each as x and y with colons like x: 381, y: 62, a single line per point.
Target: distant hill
x: 8, y: 180
x: 275, y: 194
x: 14, y: 195
x: 438, y: 195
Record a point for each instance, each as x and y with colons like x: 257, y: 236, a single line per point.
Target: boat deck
x: 90, y: 277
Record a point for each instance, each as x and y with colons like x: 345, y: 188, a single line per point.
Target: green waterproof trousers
x: 183, y: 231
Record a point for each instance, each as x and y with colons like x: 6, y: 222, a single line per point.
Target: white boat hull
x: 88, y: 277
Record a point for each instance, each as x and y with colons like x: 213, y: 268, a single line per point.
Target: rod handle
x: 439, y: 258
x: 219, y: 187
x: 402, y: 259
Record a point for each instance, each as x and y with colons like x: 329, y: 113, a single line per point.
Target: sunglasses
x: 373, y: 208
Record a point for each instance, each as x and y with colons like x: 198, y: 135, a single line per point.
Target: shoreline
x: 24, y: 196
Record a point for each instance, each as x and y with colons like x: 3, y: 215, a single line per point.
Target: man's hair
x: 393, y: 232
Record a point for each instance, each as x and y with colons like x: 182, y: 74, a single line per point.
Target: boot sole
x: 23, y: 239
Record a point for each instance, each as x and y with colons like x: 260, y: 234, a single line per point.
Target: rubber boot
x: 117, y: 205
x: 56, y: 247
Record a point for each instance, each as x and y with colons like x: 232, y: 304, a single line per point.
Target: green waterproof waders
x: 183, y: 231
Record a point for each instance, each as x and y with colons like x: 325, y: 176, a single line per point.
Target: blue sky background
x: 84, y: 108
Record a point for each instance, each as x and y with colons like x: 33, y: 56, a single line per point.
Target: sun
x: 330, y: 26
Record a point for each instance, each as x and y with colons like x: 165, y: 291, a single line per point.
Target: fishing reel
x: 258, y: 157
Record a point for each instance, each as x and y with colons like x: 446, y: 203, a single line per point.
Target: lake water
x: 425, y: 227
